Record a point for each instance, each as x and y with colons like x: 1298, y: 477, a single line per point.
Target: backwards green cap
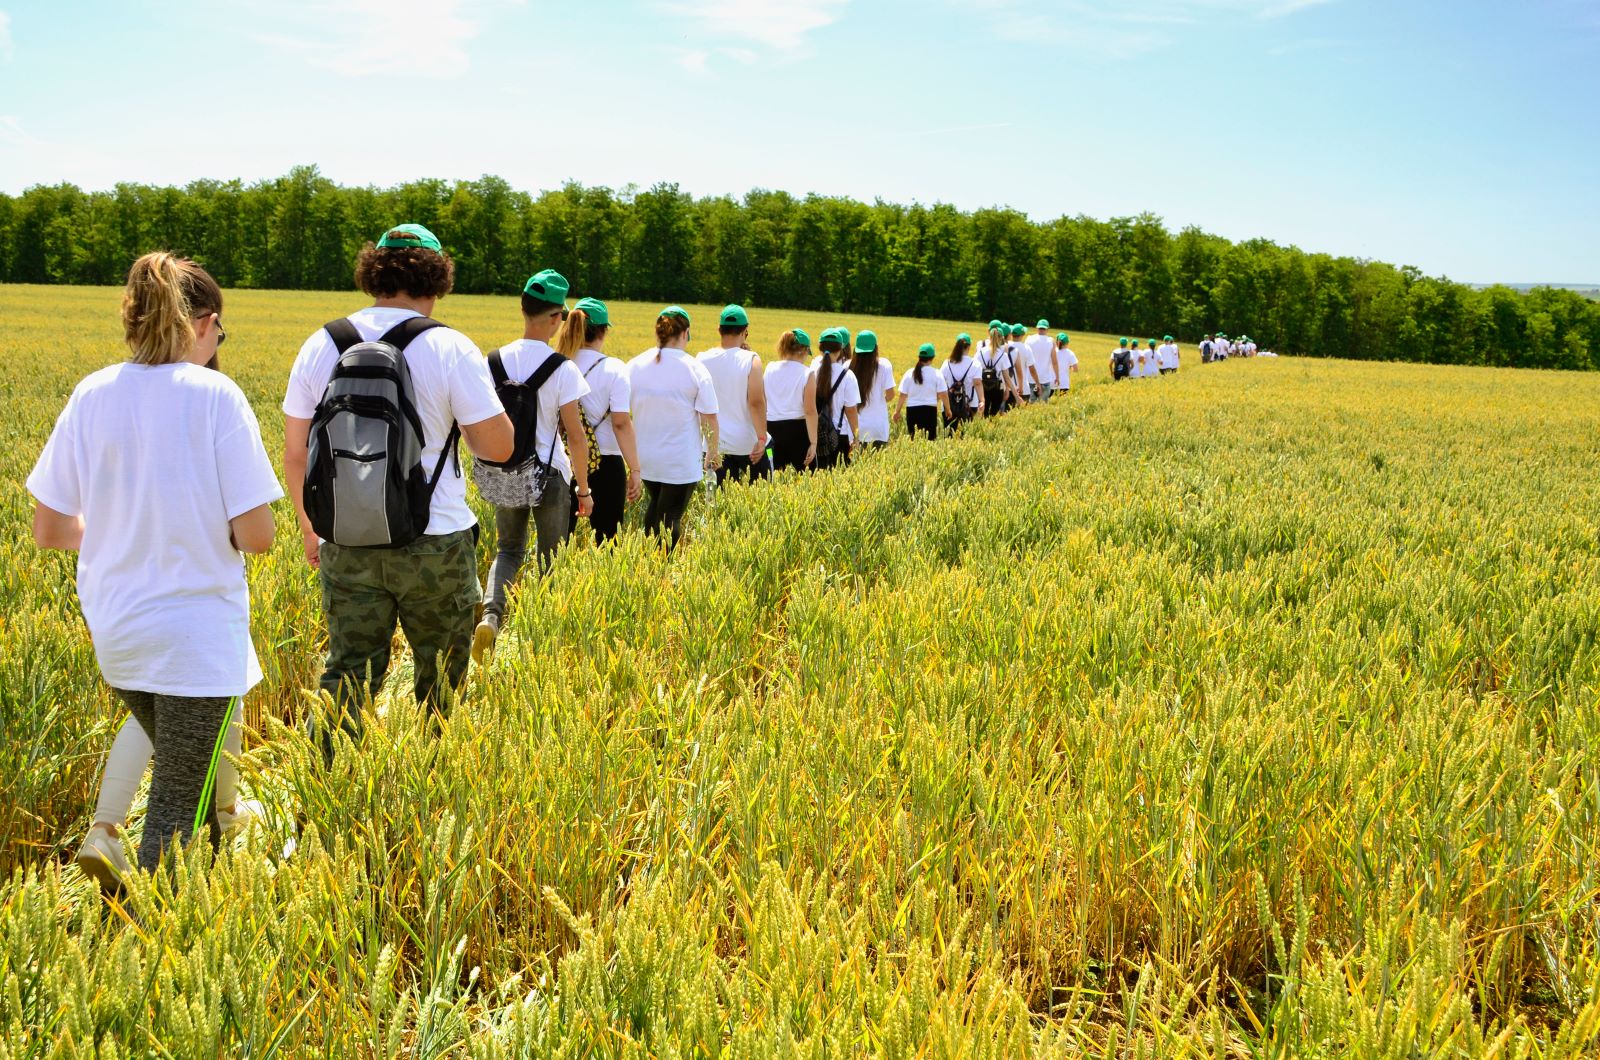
x: 1061, y: 336
x: 735, y: 317
x: 547, y: 286
x: 595, y: 310
x: 1018, y: 329
x: 925, y: 352
x: 1043, y: 324
x: 867, y: 342
x: 801, y: 338
x: 964, y: 337
x: 675, y: 311
x: 401, y: 236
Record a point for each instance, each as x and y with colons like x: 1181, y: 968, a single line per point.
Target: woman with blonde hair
x: 675, y: 418
x: 614, y: 476
x: 155, y: 474
x: 792, y: 403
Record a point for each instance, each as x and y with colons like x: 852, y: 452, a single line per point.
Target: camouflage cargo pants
x: 429, y: 586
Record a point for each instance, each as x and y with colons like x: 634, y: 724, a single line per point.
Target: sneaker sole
x: 483, y: 642
x: 101, y: 871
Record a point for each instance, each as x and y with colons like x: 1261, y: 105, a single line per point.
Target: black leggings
x: 923, y: 418
x: 994, y: 402
x: 790, y: 440
x: 740, y: 467
x: 609, y: 484
x: 667, y: 501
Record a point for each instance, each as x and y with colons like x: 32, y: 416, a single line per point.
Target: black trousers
x: 741, y: 468
x: 609, y: 484
x: 667, y: 501
x: 790, y: 441
x: 924, y: 418
x: 994, y: 402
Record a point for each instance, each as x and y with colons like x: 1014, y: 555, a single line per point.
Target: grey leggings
x: 552, y: 520
x: 183, y: 733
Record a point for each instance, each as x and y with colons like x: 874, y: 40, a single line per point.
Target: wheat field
x: 1246, y: 712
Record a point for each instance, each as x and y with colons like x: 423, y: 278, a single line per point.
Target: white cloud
x: 1114, y: 27
x: 5, y: 36
x: 363, y: 37
x: 781, y: 25
x: 1289, y: 7
x: 694, y: 61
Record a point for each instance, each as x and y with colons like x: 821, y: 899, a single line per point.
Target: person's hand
x: 897, y: 415
x: 758, y: 452
x: 313, y: 547
x: 811, y: 454
x: 635, y: 486
x: 585, y: 505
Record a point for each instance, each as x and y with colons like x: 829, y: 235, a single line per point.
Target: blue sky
x: 1461, y: 137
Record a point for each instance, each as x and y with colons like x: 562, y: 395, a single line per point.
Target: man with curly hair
x: 428, y: 585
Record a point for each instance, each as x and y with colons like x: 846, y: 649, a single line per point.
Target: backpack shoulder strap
x: 401, y: 335
x: 497, y: 370
x: 343, y: 333
x: 544, y: 372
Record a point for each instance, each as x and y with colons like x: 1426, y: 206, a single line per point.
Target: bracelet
x: 585, y: 493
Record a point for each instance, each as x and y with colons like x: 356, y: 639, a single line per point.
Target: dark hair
x: 959, y: 352
x: 830, y: 348
x: 732, y: 329
x: 538, y: 307
x: 916, y: 373
x: 865, y: 366
x: 668, y: 327
x: 387, y: 272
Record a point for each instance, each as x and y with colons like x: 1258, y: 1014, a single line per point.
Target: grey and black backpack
x: 365, y: 485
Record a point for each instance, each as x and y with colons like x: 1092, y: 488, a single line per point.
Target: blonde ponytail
x: 574, y: 330
x: 163, y: 296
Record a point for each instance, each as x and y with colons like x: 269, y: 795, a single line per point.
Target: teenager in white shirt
x: 1152, y: 361
x: 614, y: 477
x: 963, y: 382
x: 875, y: 380
x: 838, y: 398
x: 155, y: 474
x: 674, y: 405
x: 1043, y: 349
x: 1022, y: 364
x: 923, y: 392
x: 1066, y: 361
x: 430, y: 585
x: 1168, y: 354
x: 791, y: 390
x: 995, y: 371
x: 737, y: 374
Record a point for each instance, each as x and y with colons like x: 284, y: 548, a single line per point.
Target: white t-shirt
x: 609, y: 391
x: 1067, y: 359
x: 450, y: 379
x: 1022, y: 357
x: 1169, y: 355
x: 968, y: 374
x: 926, y: 392
x: 846, y: 395
x: 521, y: 359
x: 157, y: 459
x: 874, y: 411
x: 730, y: 374
x: 1041, y: 346
x: 669, y: 395
x: 786, y: 390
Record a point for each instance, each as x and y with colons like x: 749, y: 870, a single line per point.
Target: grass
x: 1247, y: 712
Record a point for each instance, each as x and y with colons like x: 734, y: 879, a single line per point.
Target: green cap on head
x: 844, y: 334
x: 993, y: 324
x: 801, y: 338
x: 401, y: 236
x: 1043, y: 324
x: 1061, y: 336
x: 675, y: 311
x: 595, y: 310
x: 547, y: 286
x: 1017, y: 330
x: 1166, y: 338
x: 867, y: 342
x: 734, y: 316
x: 830, y: 335
x: 925, y: 352
x: 964, y: 337
x: 1123, y: 342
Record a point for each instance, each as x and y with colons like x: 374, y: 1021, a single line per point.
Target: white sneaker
x: 483, y: 638
x: 102, y: 858
x: 244, y: 811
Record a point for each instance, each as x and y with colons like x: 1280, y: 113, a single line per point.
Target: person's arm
x: 628, y: 442
x: 296, y: 439
x: 899, y: 408
x: 578, y: 451
x: 810, y: 404
x: 253, y: 531
x: 944, y: 400
x: 708, y: 429
x: 855, y: 423
x: 51, y: 529
x: 491, y: 439
x: 756, y: 397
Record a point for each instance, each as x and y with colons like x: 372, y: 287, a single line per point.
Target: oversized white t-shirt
x: 609, y: 391
x: 1169, y: 355
x: 730, y: 374
x: 1067, y: 359
x: 786, y: 390
x: 521, y: 359
x: 926, y: 392
x: 450, y: 379
x: 157, y: 459
x: 669, y: 395
x: 1041, y: 346
x: 846, y: 395
x: 1022, y: 358
x: 967, y: 374
x: 874, y: 411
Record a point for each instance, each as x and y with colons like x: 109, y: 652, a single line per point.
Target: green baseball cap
x: 547, y: 286
x: 867, y: 342
x: 801, y: 338
x: 993, y: 324
x: 1018, y: 329
x: 675, y: 311
x: 401, y: 236
x: 595, y: 310
x: 1061, y: 336
x: 734, y: 316
x: 964, y: 337
x: 844, y: 334
x: 1043, y: 324
x: 925, y: 352
x: 1124, y: 342
x: 830, y: 335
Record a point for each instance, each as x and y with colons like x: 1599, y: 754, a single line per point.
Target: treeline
x: 1127, y: 275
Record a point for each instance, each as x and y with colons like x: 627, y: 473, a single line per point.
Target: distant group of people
x: 1218, y: 347
x: 156, y: 474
